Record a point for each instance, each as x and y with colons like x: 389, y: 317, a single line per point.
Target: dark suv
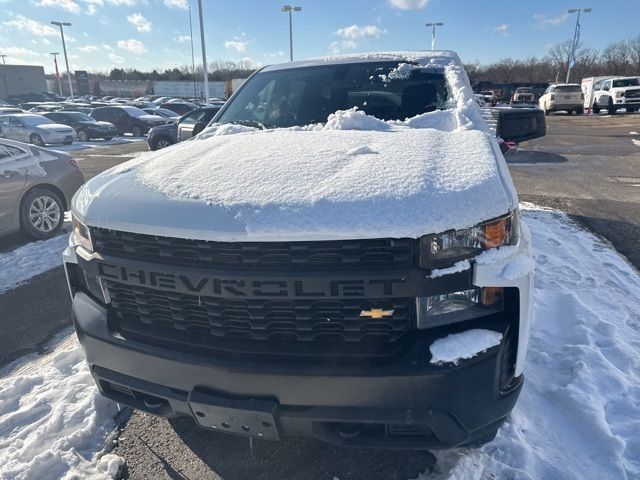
x: 128, y: 119
x: 86, y: 127
x: 188, y: 126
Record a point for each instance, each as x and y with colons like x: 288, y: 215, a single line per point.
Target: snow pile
x: 354, y: 119
x: 404, y: 70
x: 19, y: 265
x: 52, y: 419
x: 457, y: 267
x: 578, y: 415
x: 460, y: 346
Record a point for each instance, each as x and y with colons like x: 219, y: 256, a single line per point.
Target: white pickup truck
x: 614, y: 93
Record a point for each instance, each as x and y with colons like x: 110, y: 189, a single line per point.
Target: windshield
x: 35, y: 120
x: 78, y: 117
x: 134, y: 111
x: 627, y: 82
x: 303, y: 96
x: 569, y: 88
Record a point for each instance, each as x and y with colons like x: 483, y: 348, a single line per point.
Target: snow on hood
x: 353, y: 177
x: 53, y: 126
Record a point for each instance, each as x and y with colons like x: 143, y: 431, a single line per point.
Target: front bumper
x: 404, y: 403
x: 58, y: 137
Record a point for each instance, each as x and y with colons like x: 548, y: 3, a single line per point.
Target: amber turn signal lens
x: 495, y: 234
x: 490, y: 296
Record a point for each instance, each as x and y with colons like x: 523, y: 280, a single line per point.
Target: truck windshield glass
x: 627, y: 82
x: 303, y: 96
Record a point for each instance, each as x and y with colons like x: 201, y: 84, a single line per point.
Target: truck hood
x: 304, y: 185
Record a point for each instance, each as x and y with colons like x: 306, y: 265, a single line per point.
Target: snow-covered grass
x: 19, y: 265
x: 53, y: 422
x: 578, y: 416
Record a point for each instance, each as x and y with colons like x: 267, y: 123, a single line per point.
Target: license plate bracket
x: 252, y: 417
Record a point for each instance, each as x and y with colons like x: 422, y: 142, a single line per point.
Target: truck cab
x: 613, y: 94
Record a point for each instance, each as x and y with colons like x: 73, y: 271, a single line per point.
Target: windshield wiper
x: 252, y: 123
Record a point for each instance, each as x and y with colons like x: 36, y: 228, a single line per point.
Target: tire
x: 160, y: 142
x: 580, y: 111
x: 68, y: 143
x: 83, y: 135
x: 596, y: 108
x: 136, y: 131
x: 611, y: 109
x: 36, y: 140
x: 547, y: 112
x: 41, y: 213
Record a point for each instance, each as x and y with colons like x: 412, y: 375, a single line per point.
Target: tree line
x: 618, y: 58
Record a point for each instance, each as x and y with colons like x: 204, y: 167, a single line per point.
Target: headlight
x: 82, y: 234
x: 450, y: 247
x: 448, y: 308
x: 619, y: 94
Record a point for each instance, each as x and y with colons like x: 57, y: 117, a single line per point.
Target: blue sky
x: 149, y: 34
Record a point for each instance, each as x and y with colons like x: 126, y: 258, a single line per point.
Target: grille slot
x: 281, y: 325
x: 388, y: 252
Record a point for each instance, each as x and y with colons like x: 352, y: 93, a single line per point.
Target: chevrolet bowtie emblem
x: 376, y: 313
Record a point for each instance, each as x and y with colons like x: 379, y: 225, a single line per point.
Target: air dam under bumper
x: 408, y: 403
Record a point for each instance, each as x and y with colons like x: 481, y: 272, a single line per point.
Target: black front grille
x: 252, y: 325
x: 632, y: 93
x: 385, y: 252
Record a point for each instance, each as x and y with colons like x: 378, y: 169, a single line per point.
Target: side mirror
x: 519, y: 125
x: 606, y: 87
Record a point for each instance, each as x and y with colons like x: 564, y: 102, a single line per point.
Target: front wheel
x: 83, y: 135
x: 161, y: 142
x: 41, y: 213
x: 580, y: 111
x: 36, y: 140
x: 611, y: 109
x: 596, y: 108
x: 136, y: 131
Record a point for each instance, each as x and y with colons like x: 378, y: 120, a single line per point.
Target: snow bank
x: 52, y: 419
x: 578, y: 416
x: 19, y: 265
x: 460, y: 346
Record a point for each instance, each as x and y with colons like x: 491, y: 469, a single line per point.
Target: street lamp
x: 204, y: 55
x: 3, y: 61
x: 290, y: 9
x: 64, y: 49
x: 433, y: 32
x: 576, y: 39
x: 55, y: 62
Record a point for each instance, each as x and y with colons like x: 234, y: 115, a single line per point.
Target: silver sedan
x: 35, y: 129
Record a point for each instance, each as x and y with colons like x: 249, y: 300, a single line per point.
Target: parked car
x: 524, y: 95
x: 187, y: 126
x: 566, y: 97
x: 179, y: 107
x: 86, y: 127
x: 36, y: 187
x: 77, y: 107
x: 171, y: 117
x: 480, y: 99
x: 35, y: 129
x: 127, y: 119
x: 314, y: 264
x: 615, y: 93
x: 490, y: 97
x: 5, y: 110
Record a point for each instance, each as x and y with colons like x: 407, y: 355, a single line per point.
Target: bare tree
x: 617, y: 58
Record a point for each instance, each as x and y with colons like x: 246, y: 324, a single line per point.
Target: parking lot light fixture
x: 64, y: 49
x: 55, y: 62
x: 433, y: 32
x: 3, y: 59
x: 290, y: 9
x: 576, y: 39
x: 205, y: 72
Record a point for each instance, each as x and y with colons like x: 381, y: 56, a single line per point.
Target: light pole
x: 204, y: 55
x: 193, y: 60
x: 64, y: 49
x: 576, y: 39
x: 290, y: 9
x: 433, y: 32
x: 3, y: 61
x: 55, y: 62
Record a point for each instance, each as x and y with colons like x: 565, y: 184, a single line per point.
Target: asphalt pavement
x: 588, y: 166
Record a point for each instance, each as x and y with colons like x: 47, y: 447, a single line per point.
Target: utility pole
x: 3, y: 59
x: 64, y: 49
x: 290, y: 9
x: 204, y: 55
x: 433, y: 32
x: 576, y: 39
x: 193, y: 59
x: 55, y: 62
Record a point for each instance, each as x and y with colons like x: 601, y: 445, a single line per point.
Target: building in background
x: 21, y: 79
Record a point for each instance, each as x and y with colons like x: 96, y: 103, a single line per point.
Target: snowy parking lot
x: 578, y: 416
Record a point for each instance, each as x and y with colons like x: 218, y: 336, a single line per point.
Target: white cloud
x: 92, y: 10
x: 543, y: 20
x: 342, y: 45
x: 182, y: 38
x: 138, y: 21
x: 31, y: 26
x: 117, y: 59
x: 18, y: 52
x: 68, y: 5
x: 356, y: 31
x: 184, y: 4
x: 408, y: 4
x: 107, y: 47
x: 279, y: 54
x: 127, y: 3
x: 88, y: 48
x: 503, y: 28
x: 237, y: 45
x: 133, y: 46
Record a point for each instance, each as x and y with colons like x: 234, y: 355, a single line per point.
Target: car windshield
x: 134, y: 111
x: 78, y: 117
x: 569, y: 88
x: 303, y: 96
x: 627, y: 82
x: 163, y: 112
x: 35, y: 120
